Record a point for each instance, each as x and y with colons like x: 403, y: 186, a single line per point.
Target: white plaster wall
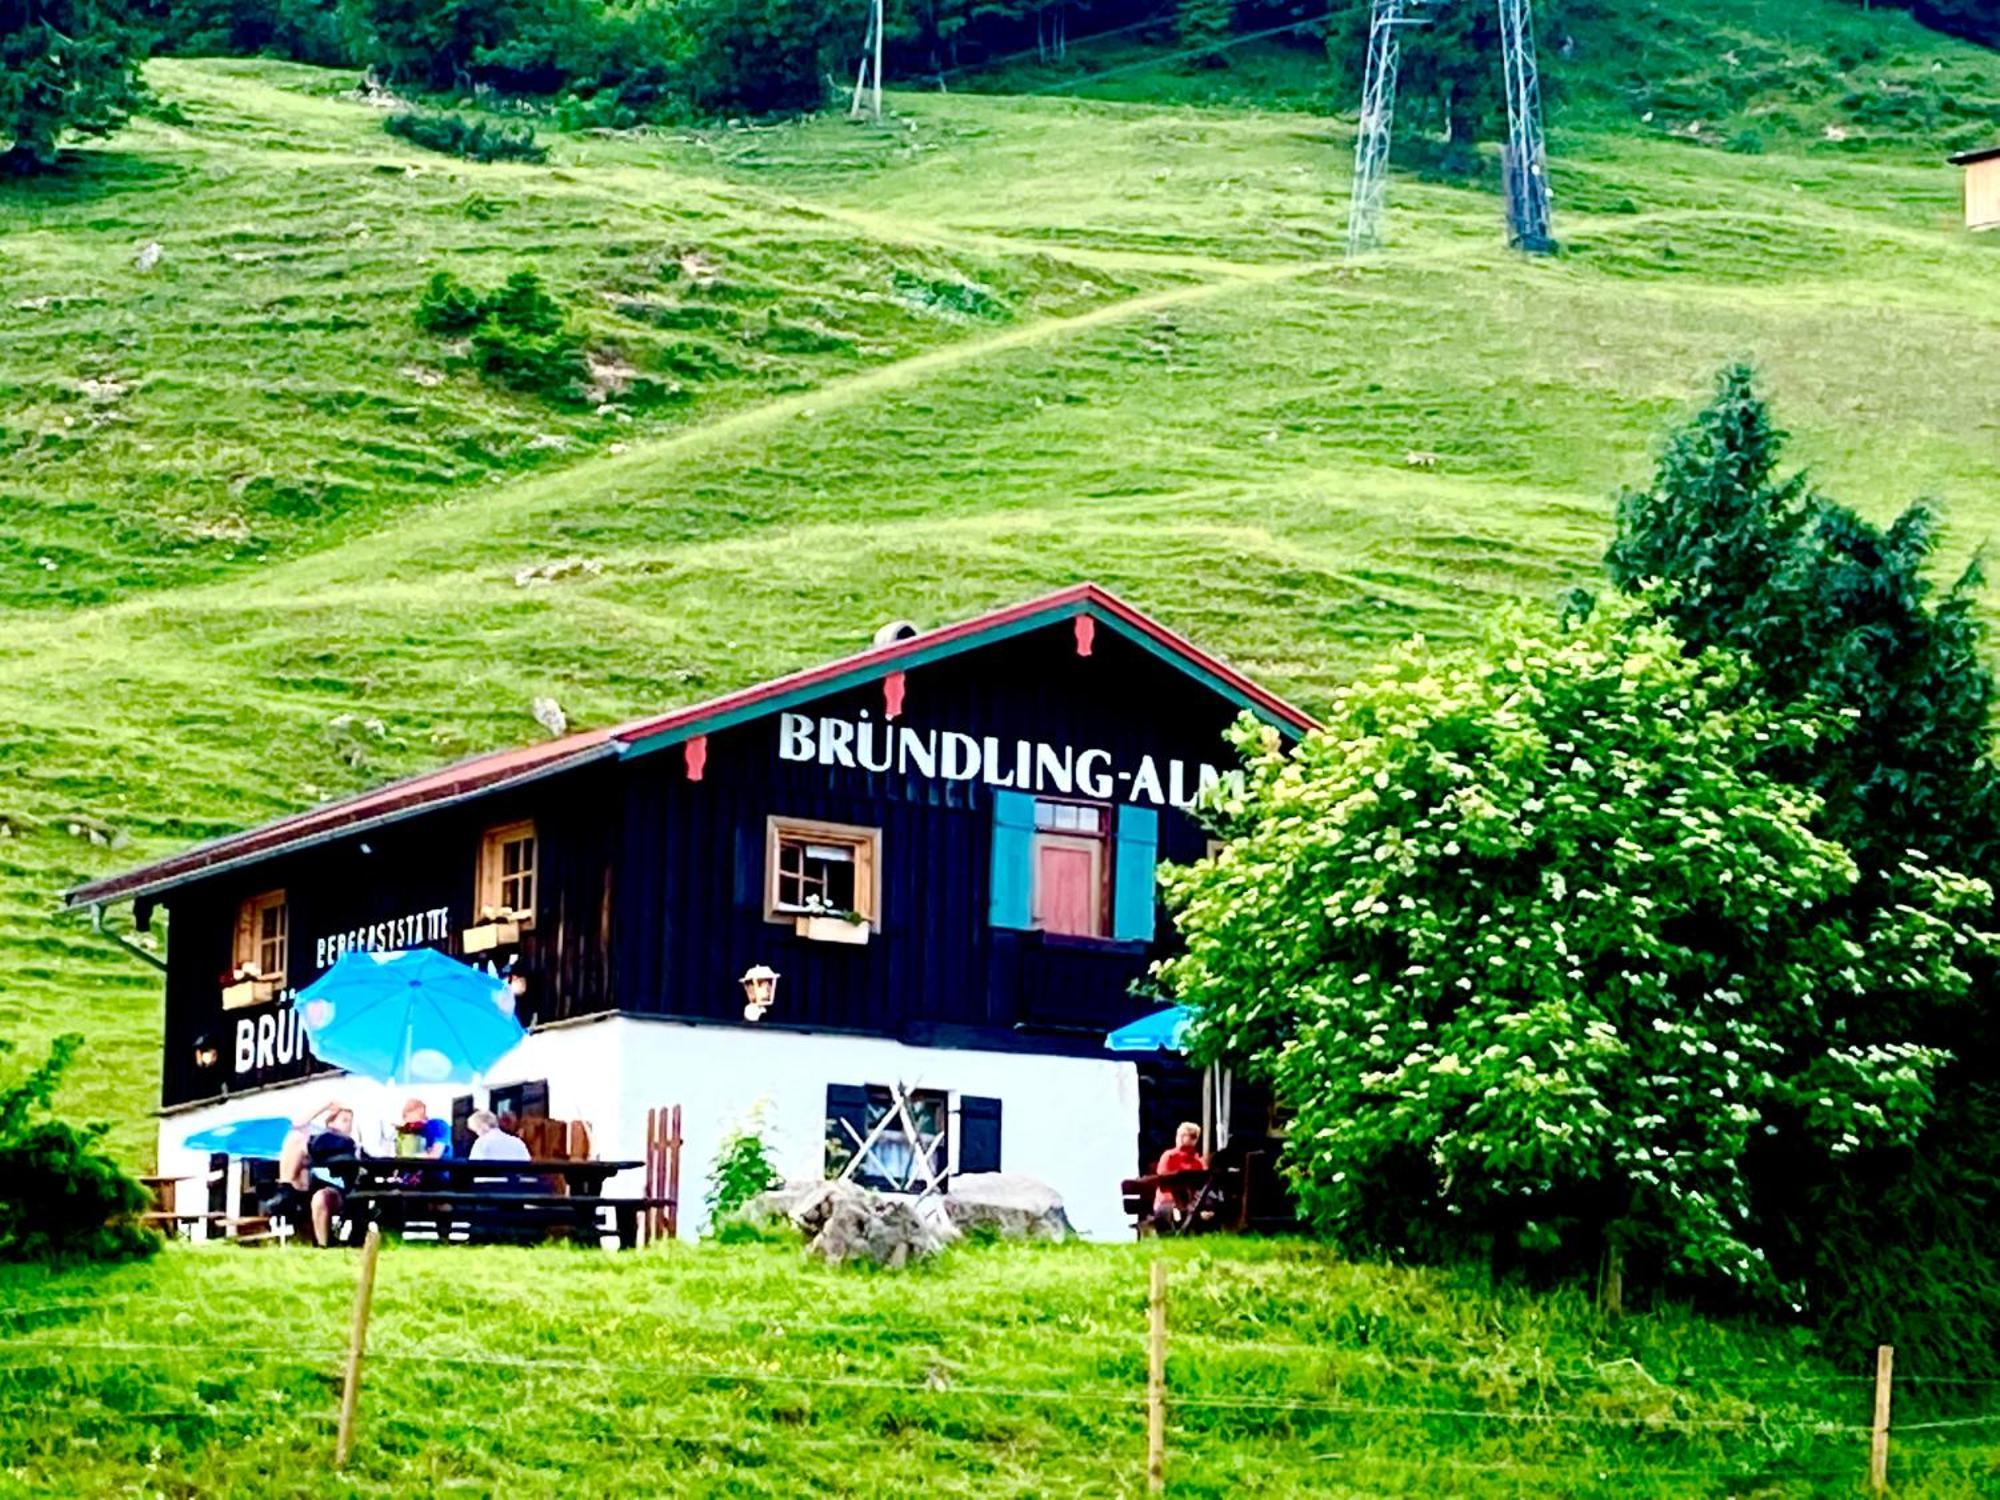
x: 1072, y: 1122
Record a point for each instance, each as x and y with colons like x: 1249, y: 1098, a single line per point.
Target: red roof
x: 501, y: 768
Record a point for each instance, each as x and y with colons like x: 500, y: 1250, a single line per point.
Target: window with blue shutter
x: 1132, y: 888
x: 1013, y: 858
x: 978, y: 1134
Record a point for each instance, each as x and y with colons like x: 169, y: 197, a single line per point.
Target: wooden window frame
x: 1102, y: 846
x: 246, y: 950
x: 492, y: 874
x: 866, y: 843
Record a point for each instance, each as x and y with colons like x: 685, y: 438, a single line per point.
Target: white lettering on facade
x: 1026, y: 765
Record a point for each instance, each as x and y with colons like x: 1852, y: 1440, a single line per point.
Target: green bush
x: 519, y: 333
x: 61, y: 1196
x: 742, y: 1170
x: 476, y: 140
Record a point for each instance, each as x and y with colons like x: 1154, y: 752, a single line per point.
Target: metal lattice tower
x: 1524, y: 167
x: 1378, y: 119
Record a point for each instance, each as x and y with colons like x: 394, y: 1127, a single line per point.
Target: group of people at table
x: 310, y: 1191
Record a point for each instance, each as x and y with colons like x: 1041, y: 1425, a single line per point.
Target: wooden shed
x: 1982, y: 187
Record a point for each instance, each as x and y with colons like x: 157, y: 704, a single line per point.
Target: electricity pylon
x: 1378, y: 120
x: 870, y: 71
x: 1524, y: 167
x: 1524, y: 161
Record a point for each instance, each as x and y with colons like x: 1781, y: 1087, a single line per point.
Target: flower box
x: 831, y: 930
x: 248, y: 992
x: 489, y: 935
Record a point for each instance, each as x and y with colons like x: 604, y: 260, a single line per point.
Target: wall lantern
x: 760, y: 990
x: 205, y: 1053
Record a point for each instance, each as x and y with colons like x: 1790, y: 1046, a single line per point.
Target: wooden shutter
x: 978, y: 1134
x: 1138, y: 839
x: 1013, y: 859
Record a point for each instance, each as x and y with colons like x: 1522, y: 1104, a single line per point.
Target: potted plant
x: 821, y: 923
x: 244, y: 985
x: 498, y: 927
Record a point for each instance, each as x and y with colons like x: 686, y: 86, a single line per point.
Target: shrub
x: 477, y: 140
x: 61, y: 1195
x: 449, y: 307
x: 742, y: 1170
x: 519, y: 334
x: 1538, y: 955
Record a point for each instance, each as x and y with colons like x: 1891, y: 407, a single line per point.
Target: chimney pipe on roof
x: 894, y: 631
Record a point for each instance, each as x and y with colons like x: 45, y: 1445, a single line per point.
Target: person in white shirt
x: 490, y: 1142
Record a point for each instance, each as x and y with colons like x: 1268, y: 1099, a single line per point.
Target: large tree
x: 1533, y: 950
x: 67, y: 67
x: 1841, y: 618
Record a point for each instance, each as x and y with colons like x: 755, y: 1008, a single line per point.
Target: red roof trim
x: 491, y: 772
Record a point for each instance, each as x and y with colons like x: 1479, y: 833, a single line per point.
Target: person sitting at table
x: 1173, y: 1204
x: 307, y: 1196
x: 420, y: 1135
x: 490, y: 1142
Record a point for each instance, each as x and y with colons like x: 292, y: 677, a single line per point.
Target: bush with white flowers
x: 1531, y: 951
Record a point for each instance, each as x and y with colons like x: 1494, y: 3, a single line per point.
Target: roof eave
x: 189, y: 867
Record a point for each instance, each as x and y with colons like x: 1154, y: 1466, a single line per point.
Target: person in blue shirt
x: 420, y: 1134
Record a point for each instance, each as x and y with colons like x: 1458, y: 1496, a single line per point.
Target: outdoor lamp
x: 205, y: 1054
x: 760, y: 989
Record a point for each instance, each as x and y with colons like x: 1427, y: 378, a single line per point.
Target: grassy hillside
x: 1009, y: 1371
x: 263, y: 538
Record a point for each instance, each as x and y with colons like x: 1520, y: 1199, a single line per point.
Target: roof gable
x: 495, y: 771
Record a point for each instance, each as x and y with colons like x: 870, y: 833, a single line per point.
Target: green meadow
x: 263, y: 542
x: 1003, y: 1370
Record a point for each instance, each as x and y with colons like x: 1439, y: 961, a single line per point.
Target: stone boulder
x: 1007, y: 1205
x: 843, y: 1222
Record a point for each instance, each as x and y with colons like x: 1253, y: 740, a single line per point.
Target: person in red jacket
x: 1171, y: 1205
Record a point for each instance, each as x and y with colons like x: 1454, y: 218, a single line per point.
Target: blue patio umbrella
x: 263, y: 1136
x: 1162, y: 1031
x: 413, y: 1017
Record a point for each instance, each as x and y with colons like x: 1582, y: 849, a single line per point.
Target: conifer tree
x: 67, y: 67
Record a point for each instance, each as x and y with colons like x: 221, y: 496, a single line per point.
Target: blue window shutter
x: 1013, y: 857
x: 1132, y: 885
x: 978, y: 1134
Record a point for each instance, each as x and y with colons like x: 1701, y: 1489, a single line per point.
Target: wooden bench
x: 1221, y: 1195
x: 497, y: 1215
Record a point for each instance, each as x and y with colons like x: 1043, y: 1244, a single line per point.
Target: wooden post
x: 649, y: 1217
x: 357, y: 1339
x: 1878, y: 1437
x: 1156, y: 1382
x: 674, y: 1174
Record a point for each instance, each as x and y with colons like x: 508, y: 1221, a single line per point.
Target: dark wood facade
x: 651, y: 890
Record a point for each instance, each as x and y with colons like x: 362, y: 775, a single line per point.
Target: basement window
x: 822, y: 870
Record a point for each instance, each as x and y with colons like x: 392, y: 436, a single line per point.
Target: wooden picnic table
x: 490, y: 1200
